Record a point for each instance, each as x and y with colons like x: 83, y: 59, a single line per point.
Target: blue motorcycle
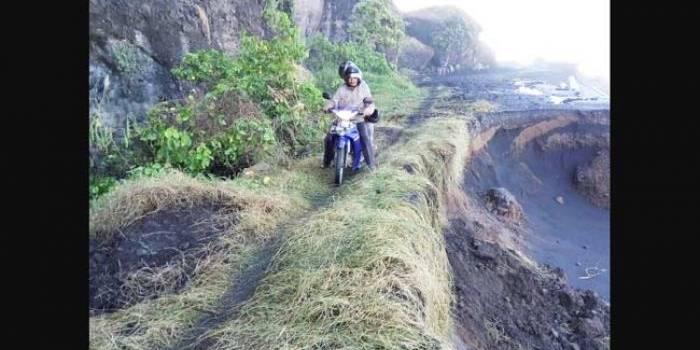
x: 346, y: 139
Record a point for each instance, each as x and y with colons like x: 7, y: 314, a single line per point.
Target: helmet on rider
x: 349, y: 70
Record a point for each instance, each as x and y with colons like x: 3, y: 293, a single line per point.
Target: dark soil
x: 240, y: 291
x: 593, y: 179
x: 539, y: 176
x: 242, y: 288
x: 503, y: 304
x: 166, y: 241
x: 386, y: 136
x: 502, y: 203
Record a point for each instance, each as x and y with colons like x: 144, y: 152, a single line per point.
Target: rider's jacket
x: 349, y: 96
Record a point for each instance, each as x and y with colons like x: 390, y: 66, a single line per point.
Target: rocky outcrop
x: 135, y: 44
x: 414, y: 54
x: 427, y: 24
x: 308, y: 15
x: 329, y: 17
x: 593, y: 179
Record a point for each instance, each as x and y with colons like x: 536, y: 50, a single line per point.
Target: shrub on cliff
x: 375, y: 24
x: 249, y: 105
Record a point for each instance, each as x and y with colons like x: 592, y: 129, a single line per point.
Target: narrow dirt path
x: 244, y: 285
x: 241, y: 290
x: 425, y: 110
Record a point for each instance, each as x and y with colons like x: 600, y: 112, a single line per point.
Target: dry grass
x: 136, y: 198
x: 395, y: 97
x: 130, y: 201
x: 482, y: 106
x: 158, y: 323
x: 370, y: 271
x: 151, y: 282
x: 259, y: 210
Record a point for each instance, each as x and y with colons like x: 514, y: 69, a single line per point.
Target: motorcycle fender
x: 341, y: 142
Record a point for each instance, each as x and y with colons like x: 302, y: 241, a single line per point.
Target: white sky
x: 576, y: 31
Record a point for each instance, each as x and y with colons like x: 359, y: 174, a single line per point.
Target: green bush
x: 453, y: 38
x: 373, y: 24
x: 198, y: 135
x: 244, y: 109
x: 208, y: 67
x: 100, y: 185
x: 111, y: 155
x: 394, y: 93
x: 325, y: 57
x: 246, y: 140
x: 149, y: 170
x: 253, y: 103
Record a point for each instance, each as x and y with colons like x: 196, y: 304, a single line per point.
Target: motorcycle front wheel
x: 340, y: 160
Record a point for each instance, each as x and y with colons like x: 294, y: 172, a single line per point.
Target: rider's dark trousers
x: 367, y: 149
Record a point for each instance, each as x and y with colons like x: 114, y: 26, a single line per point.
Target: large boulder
x: 329, y: 17
x: 502, y: 203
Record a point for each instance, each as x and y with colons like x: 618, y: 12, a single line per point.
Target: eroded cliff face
x: 426, y: 25
x: 134, y: 45
x: 329, y: 17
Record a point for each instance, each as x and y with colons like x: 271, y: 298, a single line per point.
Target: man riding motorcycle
x: 355, y: 92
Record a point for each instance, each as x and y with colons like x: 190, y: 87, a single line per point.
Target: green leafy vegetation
x: 243, y: 109
x: 453, y: 38
x: 374, y: 25
x: 254, y: 106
